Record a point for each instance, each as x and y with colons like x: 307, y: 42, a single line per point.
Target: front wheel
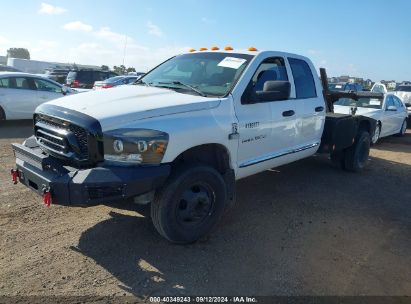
x: 403, y: 129
x: 190, y: 204
x: 356, y: 156
x: 377, y: 134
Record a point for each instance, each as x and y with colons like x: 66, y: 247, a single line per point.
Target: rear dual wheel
x: 354, y: 158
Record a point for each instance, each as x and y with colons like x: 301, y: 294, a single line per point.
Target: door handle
x: 288, y: 113
x: 319, y: 109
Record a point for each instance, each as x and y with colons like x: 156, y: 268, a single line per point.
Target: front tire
x: 190, y: 204
x: 403, y: 129
x: 377, y: 134
x: 2, y: 114
x: 356, y: 156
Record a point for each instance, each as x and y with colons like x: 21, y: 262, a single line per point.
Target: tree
x: 121, y: 70
x: 131, y: 69
x: 104, y: 67
x: 21, y: 53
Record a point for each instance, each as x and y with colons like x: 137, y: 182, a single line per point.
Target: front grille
x: 61, y: 137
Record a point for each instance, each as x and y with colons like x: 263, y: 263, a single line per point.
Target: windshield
x: 207, y: 74
x: 404, y: 88
x: 365, y: 102
x: 378, y: 88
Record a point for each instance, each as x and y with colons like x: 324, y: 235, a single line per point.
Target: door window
x: 21, y: 83
x: 270, y: 69
x: 389, y: 102
x: 303, y: 79
x: 398, y: 102
x: 44, y: 85
x: 4, y: 82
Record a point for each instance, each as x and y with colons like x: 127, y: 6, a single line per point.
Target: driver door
x: 267, y: 130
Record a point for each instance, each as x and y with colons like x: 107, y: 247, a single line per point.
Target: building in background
x: 3, y: 60
x: 39, y: 67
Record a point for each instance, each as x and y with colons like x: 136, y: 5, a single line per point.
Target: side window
x: 270, y: 69
x: 389, y: 102
x: 44, y: 85
x: 398, y: 102
x: 303, y: 79
x: 4, y: 82
x: 22, y: 83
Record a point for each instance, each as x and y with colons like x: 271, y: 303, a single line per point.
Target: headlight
x: 135, y: 146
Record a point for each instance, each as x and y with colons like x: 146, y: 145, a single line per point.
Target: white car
x: 21, y: 93
x: 404, y: 92
x: 389, y: 111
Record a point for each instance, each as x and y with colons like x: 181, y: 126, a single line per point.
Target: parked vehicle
x: 404, y: 93
x: 58, y: 75
x: 21, y: 93
x: 115, y: 81
x: 345, y: 86
x: 182, y: 135
x: 379, y: 87
x: 388, y: 110
x: 85, y: 78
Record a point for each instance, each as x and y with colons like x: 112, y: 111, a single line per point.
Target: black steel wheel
x: 356, y: 156
x: 190, y: 204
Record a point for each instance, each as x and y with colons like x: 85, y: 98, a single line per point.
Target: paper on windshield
x: 375, y: 102
x: 231, y: 62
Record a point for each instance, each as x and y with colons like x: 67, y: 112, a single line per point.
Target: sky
x: 363, y: 38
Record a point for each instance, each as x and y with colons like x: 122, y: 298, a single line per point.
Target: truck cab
x: 184, y: 133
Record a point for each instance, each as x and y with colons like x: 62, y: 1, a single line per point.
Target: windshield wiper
x: 140, y: 81
x: 185, y: 85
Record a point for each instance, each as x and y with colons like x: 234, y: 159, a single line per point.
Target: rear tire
x: 190, y: 204
x: 356, y: 156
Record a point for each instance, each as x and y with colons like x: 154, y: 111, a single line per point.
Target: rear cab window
x: 303, y: 79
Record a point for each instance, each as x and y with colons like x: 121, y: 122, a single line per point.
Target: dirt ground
x: 302, y: 229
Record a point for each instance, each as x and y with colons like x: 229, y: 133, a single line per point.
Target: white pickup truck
x: 184, y: 133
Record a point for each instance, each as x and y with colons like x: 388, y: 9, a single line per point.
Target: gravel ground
x: 302, y: 229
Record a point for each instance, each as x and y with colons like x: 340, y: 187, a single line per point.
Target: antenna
x: 124, y: 51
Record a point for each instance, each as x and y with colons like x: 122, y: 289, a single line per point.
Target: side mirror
x: 392, y: 108
x: 64, y: 89
x: 407, y: 104
x: 274, y: 90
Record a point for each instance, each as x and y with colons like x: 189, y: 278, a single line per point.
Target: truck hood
x: 124, y: 104
x: 369, y: 112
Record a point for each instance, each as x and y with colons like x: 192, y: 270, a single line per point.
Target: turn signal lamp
x: 203, y: 49
x: 215, y: 48
x: 192, y: 50
x: 228, y: 48
x: 252, y: 49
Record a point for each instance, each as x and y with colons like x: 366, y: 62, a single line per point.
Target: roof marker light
x: 192, y: 50
x: 203, y: 49
x: 228, y: 48
x: 252, y: 49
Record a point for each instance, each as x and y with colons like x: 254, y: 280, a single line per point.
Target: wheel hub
x: 195, y: 205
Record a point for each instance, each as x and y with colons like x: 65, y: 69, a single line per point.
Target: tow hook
x: 14, y: 175
x: 47, y: 197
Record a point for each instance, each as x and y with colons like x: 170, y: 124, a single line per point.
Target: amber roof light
x: 252, y: 49
x: 228, y: 48
x: 192, y: 50
x: 203, y: 49
x: 215, y: 48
